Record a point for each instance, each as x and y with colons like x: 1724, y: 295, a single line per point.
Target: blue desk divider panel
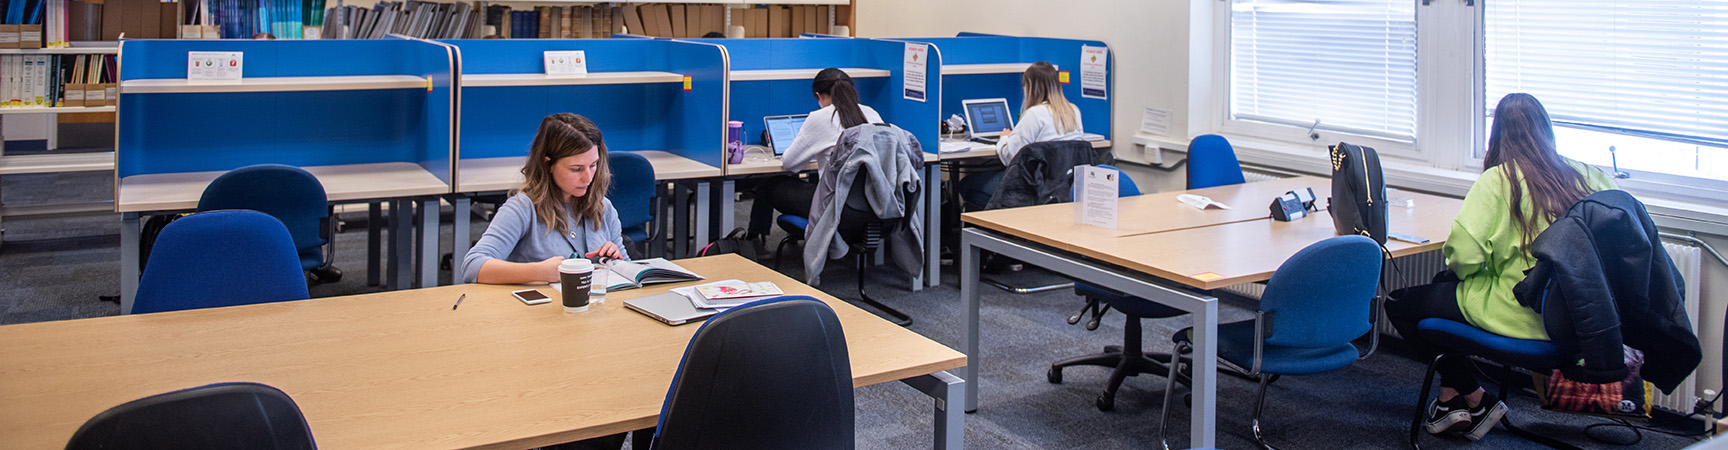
x: 501, y: 121
x: 174, y: 132
x: 977, y: 48
x: 751, y: 100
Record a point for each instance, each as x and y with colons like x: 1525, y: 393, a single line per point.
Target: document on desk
x: 1095, y: 201
x: 960, y: 146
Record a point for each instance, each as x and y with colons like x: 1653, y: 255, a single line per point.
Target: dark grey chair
x: 217, y: 416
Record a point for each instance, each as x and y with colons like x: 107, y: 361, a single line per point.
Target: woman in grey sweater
x: 559, y: 212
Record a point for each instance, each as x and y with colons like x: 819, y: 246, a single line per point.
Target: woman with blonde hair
x: 559, y: 212
x: 1046, y: 115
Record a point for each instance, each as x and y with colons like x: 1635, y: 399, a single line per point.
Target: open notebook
x: 634, y: 274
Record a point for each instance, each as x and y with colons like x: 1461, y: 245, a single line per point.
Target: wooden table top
x: 505, y: 173
x: 991, y: 151
x: 401, y: 369
x: 1245, y: 252
x: 773, y: 165
x: 1054, y: 224
x: 180, y: 191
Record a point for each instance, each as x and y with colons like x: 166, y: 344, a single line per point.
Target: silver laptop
x: 670, y: 308
x: 987, y: 117
x: 782, y: 130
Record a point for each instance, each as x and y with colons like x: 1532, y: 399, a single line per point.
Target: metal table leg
x: 131, y: 231
x: 950, y: 420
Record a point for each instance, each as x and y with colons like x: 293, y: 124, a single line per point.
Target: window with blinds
x: 1350, y: 64
x: 1648, y: 69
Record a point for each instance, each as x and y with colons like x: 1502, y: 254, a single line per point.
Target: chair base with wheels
x: 1466, y: 340
x: 1127, y: 359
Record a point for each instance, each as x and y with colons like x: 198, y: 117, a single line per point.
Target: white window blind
x: 1641, y: 67
x: 1351, y: 64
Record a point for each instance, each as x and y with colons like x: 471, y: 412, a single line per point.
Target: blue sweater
x: 517, y: 235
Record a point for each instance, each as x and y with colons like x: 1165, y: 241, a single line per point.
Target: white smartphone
x: 531, y: 296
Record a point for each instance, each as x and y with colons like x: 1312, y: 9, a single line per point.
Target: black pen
x: 458, y: 301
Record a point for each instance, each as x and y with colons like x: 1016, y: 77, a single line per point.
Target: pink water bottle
x: 735, y: 141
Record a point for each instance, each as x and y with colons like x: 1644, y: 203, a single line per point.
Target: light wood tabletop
x: 1054, y: 224
x: 990, y: 150
x: 180, y: 191
x: 773, y: 165
x: 1245, y: 252
x: 402, y: 369
x: 505, y: 173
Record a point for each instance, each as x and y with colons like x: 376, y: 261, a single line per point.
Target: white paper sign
x: 1155, y: 122
x: 214, y: 67
x: 567, y: 63
x: 917, y: 59
x: 1095, y: 196
x: 1094, y: 72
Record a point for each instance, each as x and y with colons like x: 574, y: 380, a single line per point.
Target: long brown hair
x: 837, y: 85
x: 564, y: 135
x: 1523, y: 138
x: 1043, y: 88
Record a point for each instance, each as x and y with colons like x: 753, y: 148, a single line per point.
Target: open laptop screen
x: 782, y: 130
x: 988, y: 117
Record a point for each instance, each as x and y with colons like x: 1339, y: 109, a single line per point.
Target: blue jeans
x: 977, y: 188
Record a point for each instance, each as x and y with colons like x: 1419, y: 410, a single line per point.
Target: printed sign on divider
x: 917, y: 60
x: 1094, y: 72
x: 1095, y: 196
x: 214, y: 67
x: 566, y: 63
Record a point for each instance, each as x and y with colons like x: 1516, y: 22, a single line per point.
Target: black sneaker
x: 1448, y: 416
x: 1483, y: 417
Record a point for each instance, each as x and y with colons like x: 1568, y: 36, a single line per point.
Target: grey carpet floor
x: 55, y: 269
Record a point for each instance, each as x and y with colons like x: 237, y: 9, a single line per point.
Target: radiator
x: 1252, y: 176
x: 1688, y: 259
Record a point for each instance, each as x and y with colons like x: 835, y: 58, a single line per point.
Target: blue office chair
x: 1212, y: 162
x: 1465, y: 341
x: 1317, y: 302
x: 632, y: 194
x: 292, y: 196
x: 771, y: 374
x: 860, y: 227
x: 217, y: 416
x: 1100, y: 300
x: 220, y: 258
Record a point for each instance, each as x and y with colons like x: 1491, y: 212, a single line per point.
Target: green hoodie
x: 1487, y: 251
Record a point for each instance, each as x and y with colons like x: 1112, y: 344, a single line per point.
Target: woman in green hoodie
x: 1524, y: 186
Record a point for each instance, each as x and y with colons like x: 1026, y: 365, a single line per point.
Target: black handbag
x: 1358, y: 202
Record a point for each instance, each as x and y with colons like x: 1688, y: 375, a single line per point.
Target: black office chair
x: 862, y: 230
x: 217, y: 416
x: 772, y: 374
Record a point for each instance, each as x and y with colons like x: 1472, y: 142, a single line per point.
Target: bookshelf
x: 57, y: 110
x: 99, y: 161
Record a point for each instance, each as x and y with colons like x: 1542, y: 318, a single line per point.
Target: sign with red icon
x: 566, y: 63
x: 214, y: 67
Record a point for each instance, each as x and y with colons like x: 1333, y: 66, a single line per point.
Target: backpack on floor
x: 147, y: 236
x: 1358, y: 202
x: 734, y: 242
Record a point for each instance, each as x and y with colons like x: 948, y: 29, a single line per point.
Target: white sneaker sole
x: 1489, y: 419
x: 1448, y: 423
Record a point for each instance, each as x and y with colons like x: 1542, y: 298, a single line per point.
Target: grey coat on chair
x: 892, y: 159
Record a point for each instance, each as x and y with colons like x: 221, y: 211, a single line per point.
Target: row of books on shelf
x: 556, y: 22
x: 244, y: 19
x: 428, y: 20
x: 658, y: 20
x: 36, y: 81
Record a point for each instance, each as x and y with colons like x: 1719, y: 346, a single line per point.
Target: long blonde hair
x: 1042, y: 88
x: 564, y: 135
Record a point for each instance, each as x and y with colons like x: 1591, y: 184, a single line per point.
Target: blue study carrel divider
x: 978, y: 48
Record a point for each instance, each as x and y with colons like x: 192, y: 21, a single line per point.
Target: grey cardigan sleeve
x: 509, y: 225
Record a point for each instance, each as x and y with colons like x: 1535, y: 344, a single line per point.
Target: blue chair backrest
x: 1211, y: 162
x: 290, y: 194
x: 1125, y: 186
x: 632, y: 191
x: 223, y: 415
x: 220, y: 258
x: 770, y: 374
x: 1320, y: 297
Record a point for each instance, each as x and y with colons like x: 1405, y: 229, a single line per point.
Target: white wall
x: 1148, y: 39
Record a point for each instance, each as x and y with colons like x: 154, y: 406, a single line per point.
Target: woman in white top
x: 1046, y: 116
x: 789, y: 194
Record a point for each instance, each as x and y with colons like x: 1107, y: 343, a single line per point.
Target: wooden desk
x: 1054, y: 225
x: 991, y: 151
x: 401, y: 183
x: 402, y: 370
x: 1182, y: 249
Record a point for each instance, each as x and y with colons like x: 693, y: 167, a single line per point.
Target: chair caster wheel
x: 1055, y: 375
x: 325, y: 274
x: 1106, y: 402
